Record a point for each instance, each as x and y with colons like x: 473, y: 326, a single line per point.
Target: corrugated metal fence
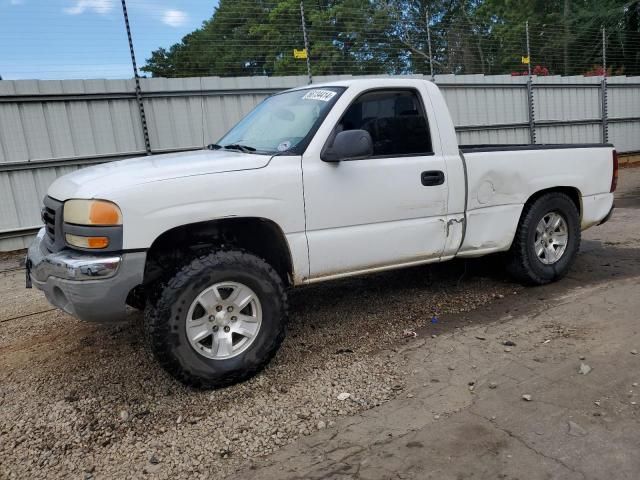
x: 49, y: 128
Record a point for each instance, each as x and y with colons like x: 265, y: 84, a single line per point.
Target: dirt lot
x: 87, y: 401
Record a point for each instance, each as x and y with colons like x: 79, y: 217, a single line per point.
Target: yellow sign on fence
x: 300, y: 53
x: 525, y: 60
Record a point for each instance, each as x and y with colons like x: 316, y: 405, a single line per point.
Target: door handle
x: 432, y: 177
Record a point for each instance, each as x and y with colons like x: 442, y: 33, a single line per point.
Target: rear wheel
x: 546, y: 241
x: 219, y: 320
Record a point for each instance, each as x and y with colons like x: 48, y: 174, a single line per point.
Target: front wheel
x: 547, y: 240
x: 219, y: 320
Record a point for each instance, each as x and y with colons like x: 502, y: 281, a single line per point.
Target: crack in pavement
x: 26, y: 315
x: 522, y: 442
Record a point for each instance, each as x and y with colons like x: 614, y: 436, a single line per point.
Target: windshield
x: 282, y: 122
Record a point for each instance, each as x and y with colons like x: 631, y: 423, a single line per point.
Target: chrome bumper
x: 68, y: 264
x: 88, y: 286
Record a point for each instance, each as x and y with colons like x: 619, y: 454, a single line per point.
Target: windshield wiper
x: 242, y: 148
x: 214, y: 146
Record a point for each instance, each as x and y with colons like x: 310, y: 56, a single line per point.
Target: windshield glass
x: 282, y: 122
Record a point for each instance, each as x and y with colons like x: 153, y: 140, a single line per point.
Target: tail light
x: 614, y: 176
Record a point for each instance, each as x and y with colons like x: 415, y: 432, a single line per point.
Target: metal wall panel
x: 21, y: 194
x: 579, y: 100
x: 625, y: 136
x: 624, y: 98
x: 49, y: 128
x: 173, y: 121
x: 503, y: 135
x: 66, y: 122
x: 471, y: 104
x: 569, y: 134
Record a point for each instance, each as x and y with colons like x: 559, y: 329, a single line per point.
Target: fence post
x: 143, y: 117
x: 530, y: 100
x: 433, y: 79
x: 306, y: 41
x: 603, y: 89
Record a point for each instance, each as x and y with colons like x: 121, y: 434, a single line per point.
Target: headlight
x: 92, y: 212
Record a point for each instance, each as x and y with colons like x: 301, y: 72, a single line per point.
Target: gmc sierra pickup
x: 316, y: 183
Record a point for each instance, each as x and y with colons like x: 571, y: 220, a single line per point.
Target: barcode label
x: 322, y: 95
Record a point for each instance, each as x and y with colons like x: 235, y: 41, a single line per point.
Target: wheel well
x: 175, y: 247
x: 572, y: 192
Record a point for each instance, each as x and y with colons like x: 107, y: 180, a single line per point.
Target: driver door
x: 377, y: 212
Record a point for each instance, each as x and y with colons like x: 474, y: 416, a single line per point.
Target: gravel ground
x: 87, y: 400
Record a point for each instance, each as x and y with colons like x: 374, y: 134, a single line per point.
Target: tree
x: 253, y: 37
x: 257, y: 37
x: 226, y: 44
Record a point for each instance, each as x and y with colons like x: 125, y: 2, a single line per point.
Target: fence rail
x: 49, y: 128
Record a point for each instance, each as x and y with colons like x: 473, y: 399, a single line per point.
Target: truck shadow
x: 468, y: 282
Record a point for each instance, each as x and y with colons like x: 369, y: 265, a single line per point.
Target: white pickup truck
x: 316, y: 183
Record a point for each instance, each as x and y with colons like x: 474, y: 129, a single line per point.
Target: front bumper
x: 91, y: 287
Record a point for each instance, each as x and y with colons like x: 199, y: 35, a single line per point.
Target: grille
x: 49, y: 219
x: 52, y: 219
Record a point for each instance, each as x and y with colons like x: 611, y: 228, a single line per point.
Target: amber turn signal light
x: 87, y: 242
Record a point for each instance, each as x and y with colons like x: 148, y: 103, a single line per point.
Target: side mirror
x: 349, y: 145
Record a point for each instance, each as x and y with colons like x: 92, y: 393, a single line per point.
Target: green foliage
x: 257, y: 37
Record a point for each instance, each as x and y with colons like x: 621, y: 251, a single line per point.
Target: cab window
x: 395, y: 120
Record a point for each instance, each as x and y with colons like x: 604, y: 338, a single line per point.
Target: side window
x: 395, y: 120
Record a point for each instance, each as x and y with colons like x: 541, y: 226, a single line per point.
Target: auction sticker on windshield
x: 322, y: 95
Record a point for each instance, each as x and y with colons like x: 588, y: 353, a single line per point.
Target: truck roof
x: 376, y: 82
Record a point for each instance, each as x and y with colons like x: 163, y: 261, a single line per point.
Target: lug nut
x: 233, y: 319
x: 219, y: 308
x: 226, y: 329
x: 215, y: 328
x: 229, y: 309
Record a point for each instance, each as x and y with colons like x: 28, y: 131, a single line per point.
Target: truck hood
x: 99, y: 180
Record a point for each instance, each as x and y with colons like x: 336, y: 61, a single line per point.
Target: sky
x: 60, y: 39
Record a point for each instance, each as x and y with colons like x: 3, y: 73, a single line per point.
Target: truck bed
x: 500, y: 179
